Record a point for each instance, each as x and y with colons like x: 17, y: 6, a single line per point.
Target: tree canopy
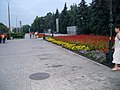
x: 89, y: 19
x: 3, y: 28
x: 25, y: 28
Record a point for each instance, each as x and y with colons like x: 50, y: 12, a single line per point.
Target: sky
x: 26, y: 10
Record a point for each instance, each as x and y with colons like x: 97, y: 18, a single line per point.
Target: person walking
x: 116, y: 54
x: 3, y: 36
x: 6, y: 36
x: 30, y: 35
x: 0, y: 38
x: 33, y: 35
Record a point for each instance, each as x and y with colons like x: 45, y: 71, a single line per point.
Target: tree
x: 3, y: 28
x: 25, y: 28
x: 64, y: 20
x: 72, y: 15
x: 42, y: 24
x: 92, y: 19
x: 57, y: 14
x: 82, y: 18
x: 53, y: 23
x: 99, y: 17
x: 49, y: 21
x: 116, y: 13
x: 35, y: 25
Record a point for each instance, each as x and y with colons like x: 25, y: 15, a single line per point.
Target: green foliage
x: 25, y: 28
x: 82, y: 18
x: 72, y: 15
x: 48, y: 19
x: 57, y: 14
x: 99, y: 14
x: 35, y: 25
x: 3, y: 28
x: 17, y: 35
x: 89, y: 19
x: 43, y: 23
x: 116, y: 12
x: 63, y: 20
x: 53, y: 23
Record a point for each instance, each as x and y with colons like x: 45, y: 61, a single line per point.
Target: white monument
x: 57, y: 25
x: 71, y: 30
x: 49, y: 30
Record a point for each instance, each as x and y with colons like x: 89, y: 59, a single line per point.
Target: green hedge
x: 17, y: 35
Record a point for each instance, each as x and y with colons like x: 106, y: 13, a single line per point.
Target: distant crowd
x: 3, y: 38
x: 33, y: 35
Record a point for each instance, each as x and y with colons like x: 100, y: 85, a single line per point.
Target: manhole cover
x: 39, y: 76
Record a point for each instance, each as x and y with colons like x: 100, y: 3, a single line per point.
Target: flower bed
x: 70, y: 46
x: 93, y: 42
x: 93, y: 47
x: 40, y: 35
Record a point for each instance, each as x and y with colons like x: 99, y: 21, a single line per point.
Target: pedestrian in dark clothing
x: 30, y: 35
x: 6, y: 36
x: 3, y: 36
x: 0, y: 37
x: 33, y: 35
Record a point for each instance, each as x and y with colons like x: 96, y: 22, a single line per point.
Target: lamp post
x: 52, y: 31
x: 111, y: 25
x: 44, y: 34
x: 20, y: 26
x: 8, y: 1
x: 16, y: 24
x: 109, y: 54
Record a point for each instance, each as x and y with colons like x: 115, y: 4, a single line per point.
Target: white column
x: 57, y: 25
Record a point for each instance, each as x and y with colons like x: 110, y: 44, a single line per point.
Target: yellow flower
x: 67, y: 45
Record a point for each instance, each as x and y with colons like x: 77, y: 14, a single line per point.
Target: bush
x: 17, y: 35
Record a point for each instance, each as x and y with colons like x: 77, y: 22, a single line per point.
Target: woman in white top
x: 116, y: 55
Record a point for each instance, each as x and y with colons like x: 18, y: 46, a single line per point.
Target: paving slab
x: 19, y: 59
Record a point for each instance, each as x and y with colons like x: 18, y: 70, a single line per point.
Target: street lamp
x: 111, y: 25
x: 51, y: 23
x: 44, y: 34
x: 110, y: 52
x: 20, y: 26
x: 8, y: 1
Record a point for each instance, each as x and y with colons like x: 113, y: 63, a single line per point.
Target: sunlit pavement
x: 19, y: 59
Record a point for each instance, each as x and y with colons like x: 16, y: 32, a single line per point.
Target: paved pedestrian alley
x: 19, y: 59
